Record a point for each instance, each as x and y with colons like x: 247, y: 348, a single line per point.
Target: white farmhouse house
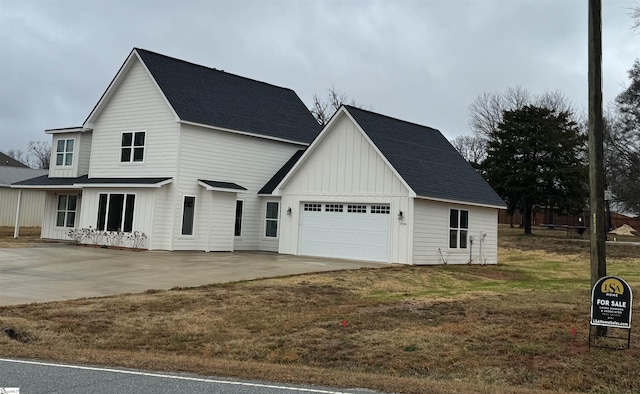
x: 200, y: 159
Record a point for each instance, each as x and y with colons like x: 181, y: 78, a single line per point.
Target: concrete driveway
x: 62, y: 272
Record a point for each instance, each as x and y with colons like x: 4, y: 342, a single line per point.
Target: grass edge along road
x: 520, y: 326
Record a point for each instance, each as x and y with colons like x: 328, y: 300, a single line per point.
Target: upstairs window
x: 458, y: 228
x: 132, y: 147
x: 64, y: 152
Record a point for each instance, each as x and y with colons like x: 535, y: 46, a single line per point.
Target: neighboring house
x: 8, y: 161
x: 200, y: 159
x: 31, y: 201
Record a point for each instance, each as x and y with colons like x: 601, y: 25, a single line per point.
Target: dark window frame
x: 188, y: 215
x: 237, y: 232
x: 132, y: 146
x: 116, y: 212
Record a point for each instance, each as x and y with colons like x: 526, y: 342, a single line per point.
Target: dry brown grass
x: 29, y: 236
x: 442, y: 329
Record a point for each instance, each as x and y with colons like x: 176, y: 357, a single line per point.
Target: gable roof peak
x: 351, y: 108
x: 142, y: 50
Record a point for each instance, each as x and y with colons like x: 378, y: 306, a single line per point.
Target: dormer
x: 70, y: 152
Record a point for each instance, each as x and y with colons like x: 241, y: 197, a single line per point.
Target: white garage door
x: 348, y: 231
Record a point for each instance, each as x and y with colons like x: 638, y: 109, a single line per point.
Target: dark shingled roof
x: 6, y: 160
x: 85, y: 180
x: 282, y: 172
x: 46, y: 181
x: 222, y: 185
x: 216, y: 98
x: 431, y: 166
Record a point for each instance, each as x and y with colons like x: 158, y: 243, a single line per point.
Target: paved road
x: 33, y: 377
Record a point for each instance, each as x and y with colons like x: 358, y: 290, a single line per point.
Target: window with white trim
x: 64, y: 152
x: 238, y: 225
x: 383, y: 209
x: 271, y: 219
x: 66, y: 212
x: 188, y: 214
x: 313, y: 207
x: 334, y: 208
x: 357, y: 208
x: 132, y: 147
x: 458, y: 228
x: 115, y: 212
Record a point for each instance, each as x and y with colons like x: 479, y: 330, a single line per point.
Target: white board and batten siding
x: 81, y: 153
x: 431, y: 234
x: 346, y: 169
x: 136, y: 105
x: 31, y: 207
x: 218, y: 155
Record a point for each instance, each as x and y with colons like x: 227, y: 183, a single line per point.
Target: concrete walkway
x: 61, y: 272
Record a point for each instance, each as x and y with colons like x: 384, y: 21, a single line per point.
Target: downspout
x: 16, y: 229
x: 470, y: 250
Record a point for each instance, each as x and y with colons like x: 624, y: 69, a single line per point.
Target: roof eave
x: 124, y: 185
x: 220, y: 189
x: 450, y: 201
x: 78, y: 129
x: 242, y: 132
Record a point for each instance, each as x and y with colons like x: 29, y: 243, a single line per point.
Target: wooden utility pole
x: 596, y: 155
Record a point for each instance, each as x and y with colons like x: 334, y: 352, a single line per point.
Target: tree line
x: 37, y: 155
x: 532, y: 149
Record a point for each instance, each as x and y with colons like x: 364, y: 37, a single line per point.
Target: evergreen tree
x: 536, y: 156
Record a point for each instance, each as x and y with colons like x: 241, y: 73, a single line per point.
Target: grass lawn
x: 518, y: 327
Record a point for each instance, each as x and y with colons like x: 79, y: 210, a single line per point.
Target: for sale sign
x: 611, y: 300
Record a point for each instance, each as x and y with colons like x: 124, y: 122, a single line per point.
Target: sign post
x: 611, y: 305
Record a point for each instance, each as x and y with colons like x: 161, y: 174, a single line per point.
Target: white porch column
x: 16, y: 229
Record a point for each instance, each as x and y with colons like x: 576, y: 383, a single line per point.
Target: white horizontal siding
x: 56, y: 171
x: 222, y: 221
x: 431, y: 234
x: 136, y: 105
x: 161, y: 232
x: 222, y: 156
x: 31, y: 207
x: 84, y: 153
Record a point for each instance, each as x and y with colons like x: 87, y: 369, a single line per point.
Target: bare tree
x: 323, y: 109
x: 472, y: 148
x: 40, y: 152
x: 635, y: 14
x: 486, y: 111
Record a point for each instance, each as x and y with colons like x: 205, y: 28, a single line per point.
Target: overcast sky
x: 421, y: 61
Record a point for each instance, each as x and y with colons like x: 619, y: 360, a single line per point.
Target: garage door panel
x: 363, y: 236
